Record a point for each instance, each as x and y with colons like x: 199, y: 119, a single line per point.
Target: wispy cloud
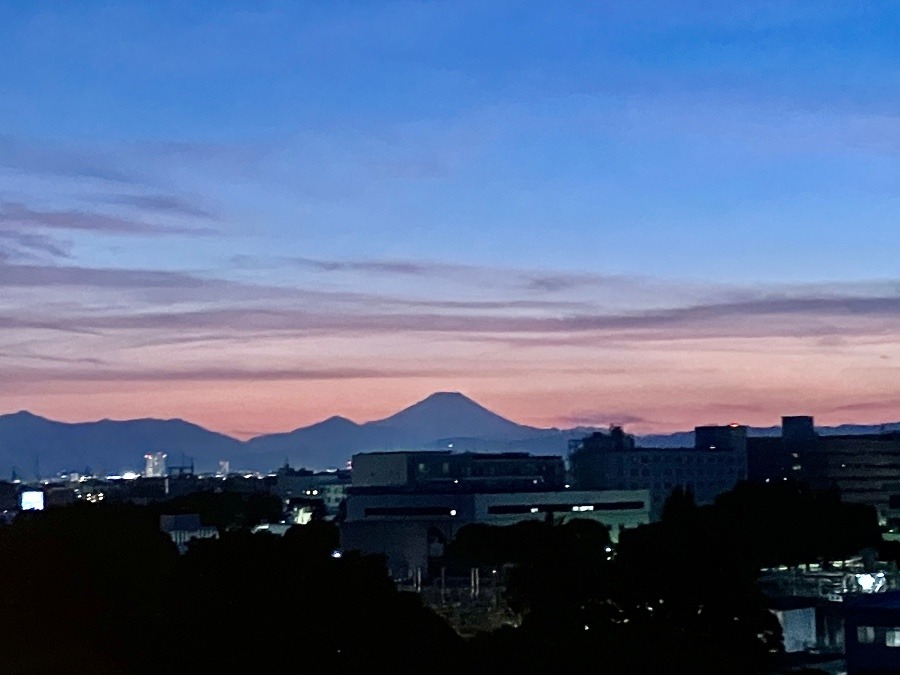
x: 30, y: 246
x: 169, y: 204
x: 18, y: 323
x: 14, y: 214
x: 601, y: 418
x: 48, y: 358
x: 374, y: 266
x: 794, y: 317
x: 214, y: 374
x: 379, y: 267
x: 865, y: 406
x: 218, y: 304
x: 50, y: 276
x: 62, y: 160
x: 518, y: 279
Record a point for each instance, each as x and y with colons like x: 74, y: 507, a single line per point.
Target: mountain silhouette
x: 437, y: 421
x: 329, y: 443
x: 451, y: 414
x: 33, y: 445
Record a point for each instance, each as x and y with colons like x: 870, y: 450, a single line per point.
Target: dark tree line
x: 225, y: 510
x: 99, y: 587
x: 680, y: 595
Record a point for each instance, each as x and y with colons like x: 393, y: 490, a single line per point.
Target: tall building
x: 155, y: 464
x: 714, y: 465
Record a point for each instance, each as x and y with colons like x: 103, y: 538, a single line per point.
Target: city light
x: 32, y: 500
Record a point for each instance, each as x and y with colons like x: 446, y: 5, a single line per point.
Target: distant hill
x: 30, y: 444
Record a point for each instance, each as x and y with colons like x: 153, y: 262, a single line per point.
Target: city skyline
x: 256, y: 217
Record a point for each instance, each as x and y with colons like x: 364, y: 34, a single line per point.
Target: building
x: 864, y: 467
x: 184, y: 527
x: 408, y: 505
x: 435, y: 470
x: 872, y: 633
x: 155, y: 464
x: 328, y: 486
x: 611, y: 461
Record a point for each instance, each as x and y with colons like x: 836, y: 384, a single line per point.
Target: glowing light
x: 870, y: 583
x: 452, y: 512
x: 336, y: 554
x: 32, y: 500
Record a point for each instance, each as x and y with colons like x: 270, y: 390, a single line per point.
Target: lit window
x: 892, y: 637
x: 865, y: 635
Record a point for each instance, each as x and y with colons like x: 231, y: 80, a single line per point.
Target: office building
x: 408, y: 505
x: 864, y: 467
x: 155, y: 464
x: 611, y: 461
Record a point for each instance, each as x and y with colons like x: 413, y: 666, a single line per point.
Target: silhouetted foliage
x: 81, y: 584
x: 679, y: 504
x: 226, y: 510
x: 100, y: 587
x: 680, y: 595
x: 786, y: 523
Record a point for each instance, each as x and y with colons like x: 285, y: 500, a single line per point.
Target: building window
x: 891, y: 637
x: 865, y: 635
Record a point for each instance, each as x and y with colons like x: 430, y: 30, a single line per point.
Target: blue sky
x: 547, y: 160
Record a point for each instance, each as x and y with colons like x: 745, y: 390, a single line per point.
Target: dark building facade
x: 872, y: 633
x: 436, y: 470
x: 611, y: 461
x: 408, y: 505
x: 864, y: 467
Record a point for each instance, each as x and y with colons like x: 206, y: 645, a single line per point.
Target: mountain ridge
x: 31, y: 443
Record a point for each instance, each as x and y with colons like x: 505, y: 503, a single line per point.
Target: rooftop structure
x: 433, y: 471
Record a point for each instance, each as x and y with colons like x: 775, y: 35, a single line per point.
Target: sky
x: 255, y: 215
